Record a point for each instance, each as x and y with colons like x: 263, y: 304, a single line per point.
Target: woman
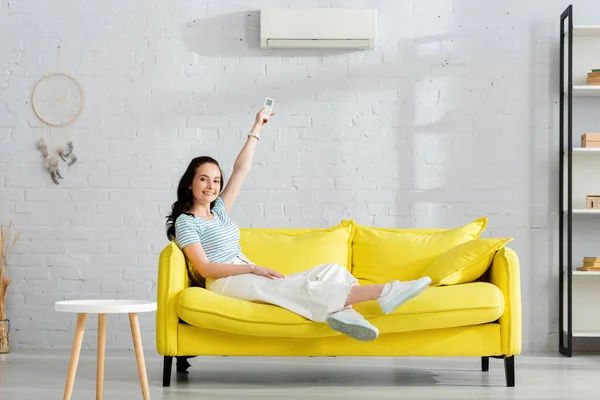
x: 201, y: 227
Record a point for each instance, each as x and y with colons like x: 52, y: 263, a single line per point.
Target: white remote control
x: 268, y: 108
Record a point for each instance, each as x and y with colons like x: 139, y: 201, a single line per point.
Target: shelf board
x: 586, y: 31
x: 597, y: 273
x: 586, y: 211
x: 586, y: 333
x: 582, y: 211
x: 586, y: 90
x: 583, y: 151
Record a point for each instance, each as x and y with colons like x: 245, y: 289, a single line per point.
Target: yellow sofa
x: 480, y: 317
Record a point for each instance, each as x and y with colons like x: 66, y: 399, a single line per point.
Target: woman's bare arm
x: 195, y: 253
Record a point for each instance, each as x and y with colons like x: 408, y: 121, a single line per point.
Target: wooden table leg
x: 100, y: 357
x: 139, y: 354
x: 77, y: 340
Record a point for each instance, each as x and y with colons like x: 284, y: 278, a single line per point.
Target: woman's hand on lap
x: 266, y: 272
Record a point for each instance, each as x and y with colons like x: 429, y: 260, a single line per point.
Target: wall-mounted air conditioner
x: 318, y: 28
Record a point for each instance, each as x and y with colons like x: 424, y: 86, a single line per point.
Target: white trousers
x: 313, y: 294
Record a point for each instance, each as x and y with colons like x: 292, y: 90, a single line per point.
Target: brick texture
x: 452, y: 117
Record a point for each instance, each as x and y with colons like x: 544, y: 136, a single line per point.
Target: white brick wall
x: 407, y: 135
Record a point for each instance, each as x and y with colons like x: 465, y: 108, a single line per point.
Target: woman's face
x: 207, y: 183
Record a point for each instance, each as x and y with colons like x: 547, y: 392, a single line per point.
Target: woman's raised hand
x: 261, y: 119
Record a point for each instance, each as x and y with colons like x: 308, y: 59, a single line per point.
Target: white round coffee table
x: 103, y: 307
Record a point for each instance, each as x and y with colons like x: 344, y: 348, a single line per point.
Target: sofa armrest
x: 505, y: 274
x: 172, y: 279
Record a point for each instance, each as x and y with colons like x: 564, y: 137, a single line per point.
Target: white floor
x: 28, y: 375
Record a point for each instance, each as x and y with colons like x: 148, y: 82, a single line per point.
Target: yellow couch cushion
x: 465, y: 262
x: 381, y: 254
x: 437, y: 307
x: 440, y: 307
x: 295, y: 250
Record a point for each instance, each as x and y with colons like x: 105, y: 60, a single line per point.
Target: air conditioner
x: 318, y: 28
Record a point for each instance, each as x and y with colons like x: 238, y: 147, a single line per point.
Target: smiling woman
x: 199, y: 220
x: 200, y: 225
x: 203, y: 174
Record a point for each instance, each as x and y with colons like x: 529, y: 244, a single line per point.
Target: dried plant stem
x: 6, y: 249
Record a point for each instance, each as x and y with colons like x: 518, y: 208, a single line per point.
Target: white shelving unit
x: 589, y: 31
x: 587, y: 273
x: 586, y: 91
x: 586, y: 333
x: 580, y: 290
x: 586, y: 294
x: 586, y: 43
x: 586, y: 211
x: 586, y: 179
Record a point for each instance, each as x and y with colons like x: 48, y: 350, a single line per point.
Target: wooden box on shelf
x: 590, y: 140
x: 592, y: 201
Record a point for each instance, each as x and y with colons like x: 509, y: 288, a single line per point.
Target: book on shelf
x: 593, y: 78
x: 590, y: 264
x: 588, y: 269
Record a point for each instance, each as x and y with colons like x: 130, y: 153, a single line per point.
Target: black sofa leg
x: 167, y: 365
x: 509, y: 370
x: 485, y: 364
x: 183, y: 364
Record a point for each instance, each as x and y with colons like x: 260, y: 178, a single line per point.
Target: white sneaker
x: 351, y: 323
x: 401, y: 292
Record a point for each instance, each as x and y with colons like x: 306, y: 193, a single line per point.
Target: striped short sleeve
x: 186, y: 232
x: 219, y: 205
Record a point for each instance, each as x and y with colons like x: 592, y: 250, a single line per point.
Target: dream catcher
x: 57, y: 100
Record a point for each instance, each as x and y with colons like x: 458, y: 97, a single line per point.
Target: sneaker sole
x: 355, y: 331
x: 414, y: 291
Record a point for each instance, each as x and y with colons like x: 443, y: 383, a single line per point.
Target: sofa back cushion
x: 289, y: 250
x: 383, y: 254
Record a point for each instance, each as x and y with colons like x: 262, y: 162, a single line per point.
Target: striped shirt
x: 219, y: 237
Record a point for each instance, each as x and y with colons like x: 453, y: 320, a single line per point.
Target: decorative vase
x: 4, y: 342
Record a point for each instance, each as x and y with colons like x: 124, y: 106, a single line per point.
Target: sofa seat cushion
x: 440, y: 307
x: 437, y: 307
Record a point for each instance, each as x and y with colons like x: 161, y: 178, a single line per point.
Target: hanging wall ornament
x: 50, y: 162
x: 57, y: 100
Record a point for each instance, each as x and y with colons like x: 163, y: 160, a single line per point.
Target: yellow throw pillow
x: 289, y: 251
x: 194, y: 275
x: 465, y: 262
x: 380, y: 255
